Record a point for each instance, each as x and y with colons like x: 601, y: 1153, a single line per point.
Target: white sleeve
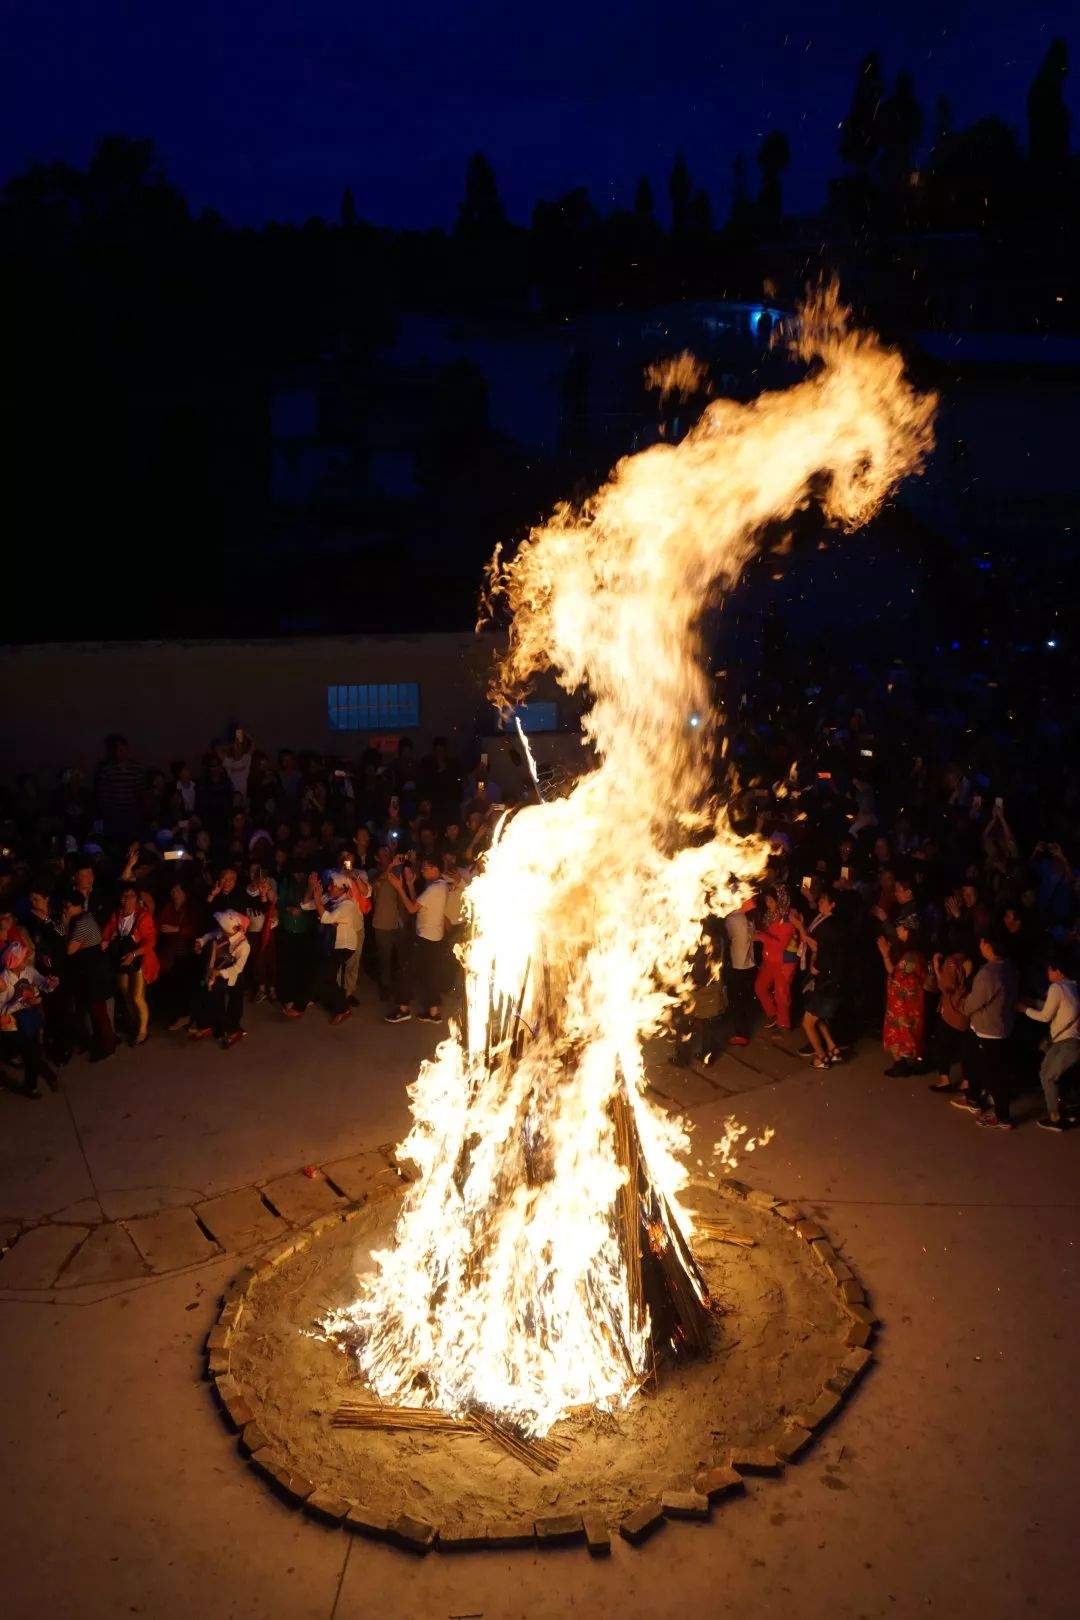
x: 1045, y: 1013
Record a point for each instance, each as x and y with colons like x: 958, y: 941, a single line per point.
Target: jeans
x: 988, y: 1074
x: 219, y: 1008
x: 330, y: 981
x: 1057, y: 1060
x: 352, y: 966
x: 740, y: 990
x: 392, y: 951
x: 430, y: 961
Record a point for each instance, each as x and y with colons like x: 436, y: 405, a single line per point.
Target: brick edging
x: 712, y: 1487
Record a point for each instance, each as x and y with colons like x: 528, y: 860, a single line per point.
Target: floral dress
x: 905, y: 1006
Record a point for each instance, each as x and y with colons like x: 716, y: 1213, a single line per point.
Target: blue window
x: 535, y: 716
x: 388, y: 706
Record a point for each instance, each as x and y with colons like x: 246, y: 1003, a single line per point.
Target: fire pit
x: 788, y: 1326
x: 549, y: 1331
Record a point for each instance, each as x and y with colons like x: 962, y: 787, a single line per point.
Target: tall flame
x: 506, y: 1287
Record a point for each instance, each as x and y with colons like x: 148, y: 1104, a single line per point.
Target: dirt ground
x: 778, y: 1338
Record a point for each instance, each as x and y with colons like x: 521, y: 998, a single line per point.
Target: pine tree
x: 1048, y: 116
x: 901, y: 130
x: 860, y: 133
x: 644, y: 207
x: 481, y: 214
x: 774, y: 155
x: 680, y: 191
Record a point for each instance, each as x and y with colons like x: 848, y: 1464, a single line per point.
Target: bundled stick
x: 364, y: 1415
x: 536, y: 1455
x: 707, y: 1230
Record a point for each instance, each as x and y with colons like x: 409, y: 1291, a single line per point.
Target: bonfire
x: 542, y: 1260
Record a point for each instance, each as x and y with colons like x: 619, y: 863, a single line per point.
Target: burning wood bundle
x: 542, y: 1257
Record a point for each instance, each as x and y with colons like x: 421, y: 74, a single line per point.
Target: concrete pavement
x: 947, y: 1485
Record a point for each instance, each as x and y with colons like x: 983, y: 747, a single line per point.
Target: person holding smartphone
x: 428, y: 908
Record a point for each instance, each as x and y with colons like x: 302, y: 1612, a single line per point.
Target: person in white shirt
x: 360, y: 890
x: 1061, y: 1010
x: 218, y: 1006
x: 429, y: 910
x: 22, y: 1022
x: 342, y: 933
x: 740, y: 969
x: 235, y: 756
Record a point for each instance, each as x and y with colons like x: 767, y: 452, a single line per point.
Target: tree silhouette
x: 741, y: 218
x: 1048, y: 116
x: 901, y: 130
x: 348, y: 208
x: 701, y: 220
x: 943, y: 121
x: 644, y: 206
x: 860, y: 132
x: 481, y: 215
x: 974, y: 177
x: 680, y: 191
x: 774, y: 155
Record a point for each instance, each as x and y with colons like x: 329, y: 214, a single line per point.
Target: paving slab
x: 240, y: 1220
x: 682, y: 1088
x: 108, y: 1255
x: 86, y: 1209
x: 300, y: 1198
x: 362, y: 1175
x: 34, y: 1260
x: 759, y: 1064
x: 171, y: 1239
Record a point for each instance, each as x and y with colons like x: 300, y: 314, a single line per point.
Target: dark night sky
x: 267, y: 110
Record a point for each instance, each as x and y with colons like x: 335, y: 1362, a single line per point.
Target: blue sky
x: 268, y: 110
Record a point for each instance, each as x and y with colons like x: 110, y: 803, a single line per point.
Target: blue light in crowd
x: 955, y: 645
x: 1051, y: 643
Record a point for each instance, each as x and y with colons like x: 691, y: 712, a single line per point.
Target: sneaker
x: 199, y: 1034
x: 228, y: 1041
x: 989, y: 1120
x: 399, y: 1017
x: 962, y: 1100
x: 436, y: 1018
x: 293, y: 1012
x: 739, y: 1040
x: 821, y: 1063
x: 1049, y: 1124
x: 260, y: 994
x: 806, y: 1051
x: 899, y: 1070
x: 339, y: 1018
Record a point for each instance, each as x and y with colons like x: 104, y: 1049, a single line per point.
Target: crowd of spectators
x: 919, y: 885
x: 918, y: 890
x: 145, y: 900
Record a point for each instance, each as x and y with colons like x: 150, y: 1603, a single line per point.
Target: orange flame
x: 506, y: 1287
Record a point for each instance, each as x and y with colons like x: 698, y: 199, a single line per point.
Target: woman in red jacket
x: 779, y: 936
x: 131, y: 937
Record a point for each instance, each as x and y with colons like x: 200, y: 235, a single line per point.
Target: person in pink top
x: 780, y: 935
